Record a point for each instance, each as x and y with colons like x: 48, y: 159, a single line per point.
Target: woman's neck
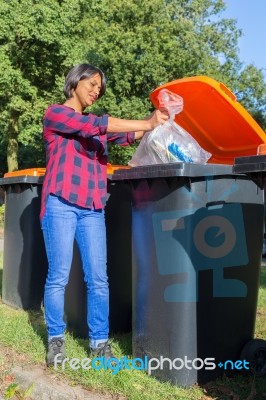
x: 72, y: 104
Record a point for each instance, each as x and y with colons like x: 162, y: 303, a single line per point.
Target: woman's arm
x: 139, y: 135
x: 156, y: 118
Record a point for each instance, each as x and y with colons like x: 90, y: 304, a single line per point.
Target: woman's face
x: 87, y: 91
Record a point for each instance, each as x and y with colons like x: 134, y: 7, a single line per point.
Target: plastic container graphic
x: 195, y: 266
x: 25, y: 261
x: 212, y: 115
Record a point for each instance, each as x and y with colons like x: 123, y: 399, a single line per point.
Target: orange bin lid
x: 28, y: 172
x: 111, y: 168
x: 213, y: 116
x: 41, y: 171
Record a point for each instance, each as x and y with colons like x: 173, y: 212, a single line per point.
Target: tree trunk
x: 12, y: 147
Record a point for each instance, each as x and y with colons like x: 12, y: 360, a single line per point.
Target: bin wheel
x: 254, y: 352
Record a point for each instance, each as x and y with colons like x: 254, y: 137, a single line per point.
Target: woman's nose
x: 97, y: 91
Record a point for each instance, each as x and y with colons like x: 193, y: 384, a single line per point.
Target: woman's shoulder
x: 57, y: 109
x: 57, y: 106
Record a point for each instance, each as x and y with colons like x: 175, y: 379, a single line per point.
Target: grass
x: 24, y: 332
x: 260, y: 328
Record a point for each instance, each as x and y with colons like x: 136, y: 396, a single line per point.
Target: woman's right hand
x: 157, y: 117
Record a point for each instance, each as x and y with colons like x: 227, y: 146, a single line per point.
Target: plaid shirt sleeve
x: 59, y: 118
x: 122, y: 139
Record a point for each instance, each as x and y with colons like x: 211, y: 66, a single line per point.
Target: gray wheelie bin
x: 195, y: 267
x: 255, y: 168
x: 118, y: 229
x: 25, y: 262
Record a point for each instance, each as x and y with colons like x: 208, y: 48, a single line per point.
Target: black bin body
x: 118, y: 227
x: 195, y: 266
x: 255, y: 168
x: 25, y: 262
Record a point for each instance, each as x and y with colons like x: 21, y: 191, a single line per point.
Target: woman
x: 73, y: 201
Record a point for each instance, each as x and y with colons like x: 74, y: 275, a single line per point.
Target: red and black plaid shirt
x: 76, y: 156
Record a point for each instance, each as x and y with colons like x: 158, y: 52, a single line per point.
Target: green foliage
x: 14, y: 392
x: 2, y: 214
x: 139, y: 44
x: 120, y: 156
x: 39, y: 41
x: 251, y: 92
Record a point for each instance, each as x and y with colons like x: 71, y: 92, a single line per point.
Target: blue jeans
x: 62, y: 223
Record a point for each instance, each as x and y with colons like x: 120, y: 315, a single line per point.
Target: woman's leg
x: 91, y: 239
x: 59, y: 225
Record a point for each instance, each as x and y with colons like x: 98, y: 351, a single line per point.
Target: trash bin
x: 118, y: 230
x: 195, y: 267
x: 255, y: 168
x: 25, y: 261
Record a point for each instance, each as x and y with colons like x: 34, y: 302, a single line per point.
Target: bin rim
x: 246, y: 165
x: 41, y: 171
x: 111, y: 168
x: 36, y: 175
x: 171, y: 170
x: 27, y: 171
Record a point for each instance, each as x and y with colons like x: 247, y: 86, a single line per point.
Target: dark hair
x: 79, y: 72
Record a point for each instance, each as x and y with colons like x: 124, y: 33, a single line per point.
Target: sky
x: 251, y: 17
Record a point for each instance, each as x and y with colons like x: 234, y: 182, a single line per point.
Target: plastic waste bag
x: 169, y: 142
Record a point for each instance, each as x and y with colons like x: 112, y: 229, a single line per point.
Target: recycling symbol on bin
x: 190, y: 241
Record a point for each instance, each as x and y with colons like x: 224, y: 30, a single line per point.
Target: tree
x: 251, y: 92
x: 39, y: 41
x: 139, y: 44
